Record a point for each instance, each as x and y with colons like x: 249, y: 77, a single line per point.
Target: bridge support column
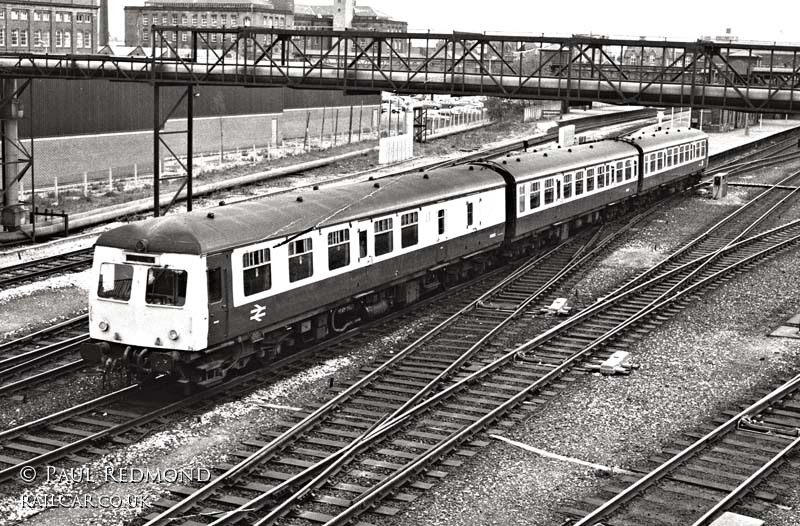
x: 10, y: 113
x: 158, y: 140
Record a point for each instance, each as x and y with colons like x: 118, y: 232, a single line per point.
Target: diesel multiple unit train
x: 200, y: 294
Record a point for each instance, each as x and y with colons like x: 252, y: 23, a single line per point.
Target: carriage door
x: 363, y: 252
x: 219, y: 296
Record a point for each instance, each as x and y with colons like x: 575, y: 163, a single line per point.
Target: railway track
x: 707, y: 473
x: 337, y: 461
x: 33, y: 270
x: 42, y: 355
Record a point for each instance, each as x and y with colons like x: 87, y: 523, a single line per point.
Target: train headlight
x: 173, y: 335
x: 103, y: 325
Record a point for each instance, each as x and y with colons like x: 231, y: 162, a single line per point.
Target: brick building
x: 360, y: 18
x: 204, y: 15
x: 49, y: 26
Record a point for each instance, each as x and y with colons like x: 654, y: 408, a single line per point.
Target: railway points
x: 347, y: 490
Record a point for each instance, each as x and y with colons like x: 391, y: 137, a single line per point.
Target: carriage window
x: 610, y: 175
x: 567, y: 186
x: 257, y: 272
x: 619, y: 171
x: 409, y: 231
x: 628, y: 170
x: 441, y: 222
x: 469, y: 214
x: 660, y: 161
x: 601, y: 176
x: 647, y: 164
x: 535, y: 196
x: 521, y: 198
x: 301, y: 264
x: 115, y: 281
x: 362, y: 244
x: 338, y: 249
x: 652, y: 163
x: 549, y: 194
x: 579, y: 182
x: 383, y: 237
x: 214, y: 276
x: 703, y: 150
x: 589, y: 179
x: 674, y: 156
x: 668, y: 158
x: 165, y: 287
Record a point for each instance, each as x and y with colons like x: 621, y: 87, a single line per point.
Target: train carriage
x: 200, y: 293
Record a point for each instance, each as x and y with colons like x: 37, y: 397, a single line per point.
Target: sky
x: 672, y: 19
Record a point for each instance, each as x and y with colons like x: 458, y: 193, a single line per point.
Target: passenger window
x: 619, y: 172
x: 567, y: 186
x: 214, y: 285
x: 115, y: 281
x: 383, y: 237
x: 257, y: 271
x: 409, y: 231
x: 549, y: 193
x: 521, y: 198
x: 610, y: 175
x: 579, y: 182
x: 301, y: 264
x: 628, y: 170
x: 441, y: 222
x: 660, y: 162
x: 652, y: 163
x: 535, y: 196
x: 166, y: 287
x: 362, y: 244
x: 601, y: 176
x: 589, y: 179
x: 469, y: 215
x: 338, y: 249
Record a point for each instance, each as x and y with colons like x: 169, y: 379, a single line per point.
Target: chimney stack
x: 104, y: 36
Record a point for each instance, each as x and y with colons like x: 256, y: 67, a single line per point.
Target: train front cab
x: 147, y: 310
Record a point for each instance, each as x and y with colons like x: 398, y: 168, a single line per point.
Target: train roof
x: 536, y: 164
x: 213, y: 230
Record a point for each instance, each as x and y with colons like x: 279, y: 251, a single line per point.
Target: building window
x: 247, y: 21
x: 257, y: 271
x: 87, y: 18
x: 79, y: 17
x: 338, y: 249
x: 384, y: 242
x: 87, y: 39
x: 14, y: 38
x: 213, y: 20
x: 204, y: 20
x: 67, y: 39
x: 194, y: 20
x: 301, y: 265
x: 2, y: 14
x: 59, y: 17
x: 14, y: 14
x: 145, y: 35
x: 174, y: 20
x: 23, y: 38
x: 441, y: 220
x: 234, y: 20
x: 37, y: 38
x: 184, y: 36
x: 163, y: 20
x: 223, y: 19
x: 46, y: 39
x: 535, y: 197
x: 79, y: 39
x: 213, y: 37
x: 409, y: 229
x: 145, y: 20
x: 2, y: 36
x: 184, y: 20
x: 60, y: 38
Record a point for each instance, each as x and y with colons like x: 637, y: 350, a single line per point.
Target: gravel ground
x: 504, y: 485
x: 692, y: 368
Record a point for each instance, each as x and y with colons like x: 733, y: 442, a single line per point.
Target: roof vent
x: 559, y: 146
x: 316, y: 187
x: 426, y: 176
x: 534, y: 151
x: 471, y: 168
x: 519, y: 160
x: 505, y: 162
x: 377, y: 185
x: 591, y: 146
x: 222, y: 203
x: 654, y: 135
x: 545, y: 154
x: 299, y: 198
x: 210, y: 215
x: 141, y: 245
x: 569, y: 150
x: 508, y: 155
x: 421, y: 170
x: 371, y: 178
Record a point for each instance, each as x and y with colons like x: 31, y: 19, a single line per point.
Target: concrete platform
x: 734, y: 519
x: 719, y: 142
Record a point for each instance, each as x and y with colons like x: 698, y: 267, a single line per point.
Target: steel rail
x: 336, y: 459
x: 44, y: 375
x: 333, y: 461
x: 660, y: 472
x: 327, y: 408
x: 393, y: 481
x: 43, y: 332
x: 14, y: 364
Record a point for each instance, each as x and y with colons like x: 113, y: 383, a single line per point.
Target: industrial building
x: 49, y: 26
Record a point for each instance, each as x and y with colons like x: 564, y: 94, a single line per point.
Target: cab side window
x: 214, y: 285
